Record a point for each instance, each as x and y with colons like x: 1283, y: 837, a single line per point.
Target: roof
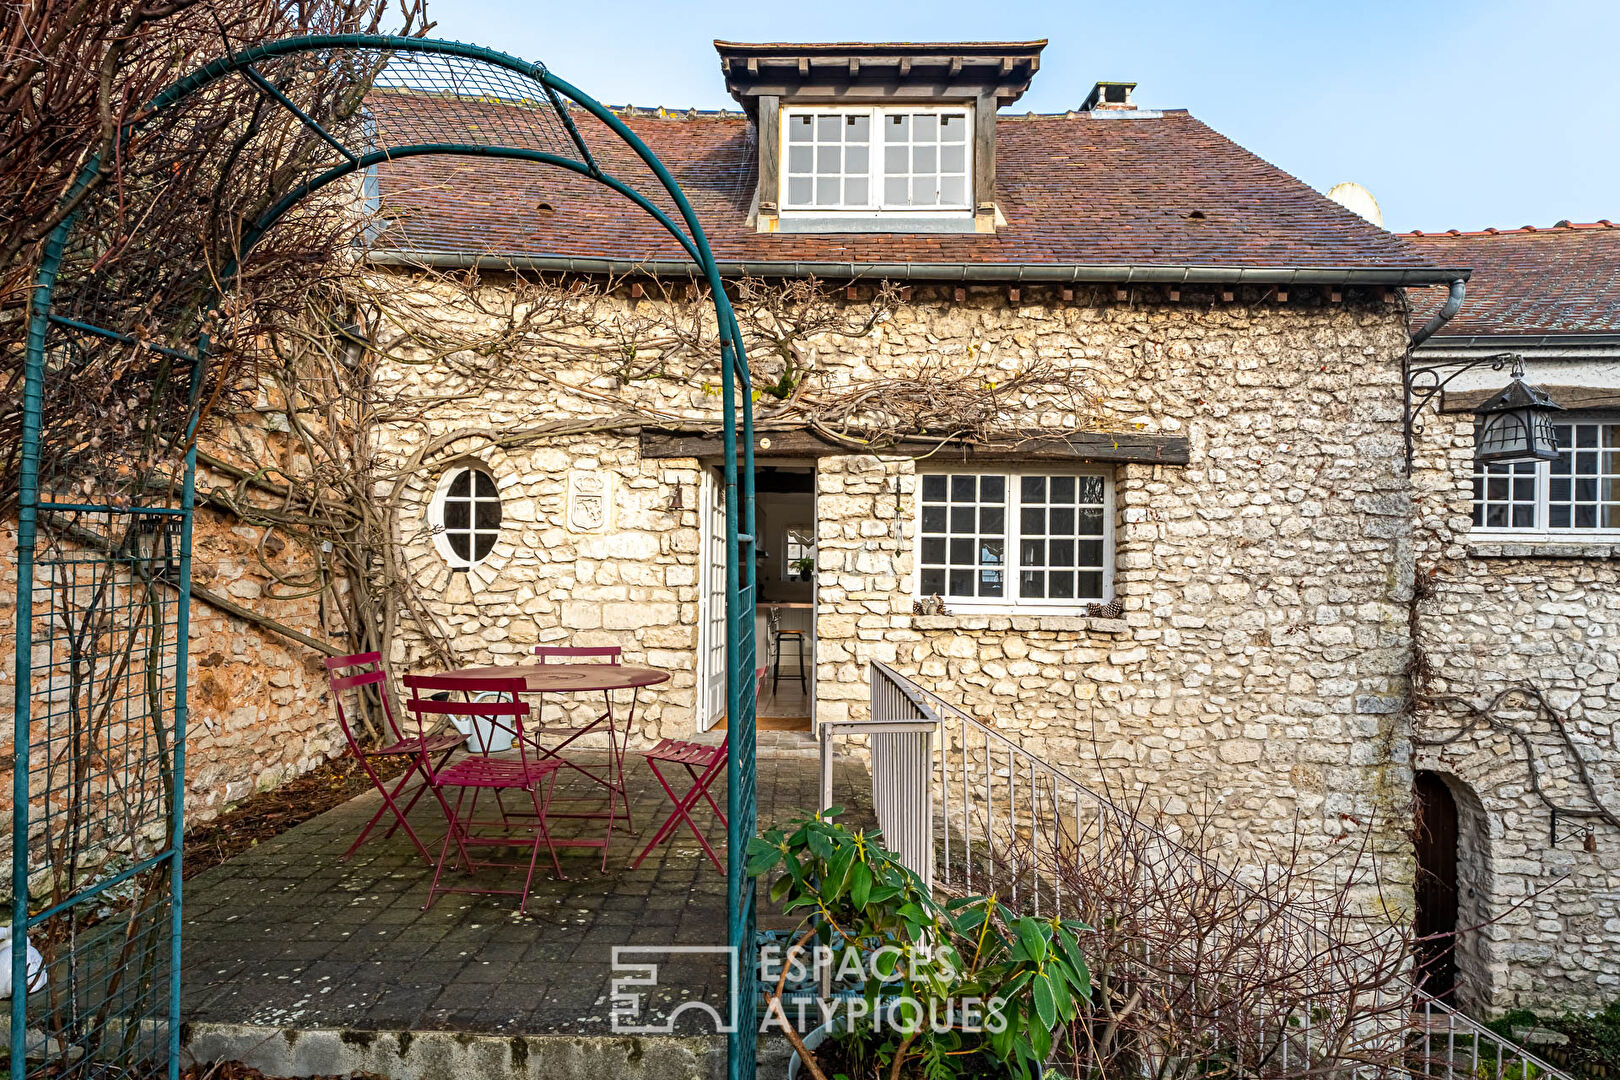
x: 1163, y: 190
x: 1563, y: 280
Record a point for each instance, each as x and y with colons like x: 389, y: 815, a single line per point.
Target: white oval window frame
x: 435, y: 513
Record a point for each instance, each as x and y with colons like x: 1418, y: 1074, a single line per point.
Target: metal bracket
x: 1587, y: 833
x: 1422, y: 383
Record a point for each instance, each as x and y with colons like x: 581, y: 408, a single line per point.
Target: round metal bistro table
x: 580, y: 679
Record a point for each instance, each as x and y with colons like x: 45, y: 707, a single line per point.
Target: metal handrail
x: 1460, y: 1025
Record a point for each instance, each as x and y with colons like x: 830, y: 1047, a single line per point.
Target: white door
x: 712, y: 608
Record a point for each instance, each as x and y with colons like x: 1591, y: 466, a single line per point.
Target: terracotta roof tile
x: 1559, y: 280
x: 1163, y: 190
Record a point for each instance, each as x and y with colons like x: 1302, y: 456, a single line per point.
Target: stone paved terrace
x: 287, y: 937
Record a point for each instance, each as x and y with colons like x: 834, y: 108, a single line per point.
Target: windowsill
x: 1486, y: 546
x: 986, y: 621
x: 816, y: 221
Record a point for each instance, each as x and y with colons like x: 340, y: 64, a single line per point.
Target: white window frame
x: 1542, y: 529
x: 436, y: 525
x: 875, y: 203
x: 1012, y: 604
x: 809, y: 530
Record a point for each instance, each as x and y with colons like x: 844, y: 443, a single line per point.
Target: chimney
x: 1109, y: 96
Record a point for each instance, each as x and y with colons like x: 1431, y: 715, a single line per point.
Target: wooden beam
x: 1099, y: 446
x: 961, y: 295
x: 984, y: 153
x: 1570, y: 397
x: 769, y: 124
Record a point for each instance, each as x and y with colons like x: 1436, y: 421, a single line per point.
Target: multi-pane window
x: 1577, y: 493
x: 924, y: 159
x: 829, y: 160
x: 466, y: 516
x: 875, y: 159
x: 1010, y: 540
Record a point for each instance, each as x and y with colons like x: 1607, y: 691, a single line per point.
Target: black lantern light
x: 1514, y: 425
x: 1517, y: 424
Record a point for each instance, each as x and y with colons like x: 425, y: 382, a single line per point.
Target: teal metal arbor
x: 104, y: 567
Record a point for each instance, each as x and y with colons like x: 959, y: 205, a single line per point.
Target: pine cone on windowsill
x: 1111, y: 610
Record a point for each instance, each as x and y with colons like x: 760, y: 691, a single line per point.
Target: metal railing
x: 901, y: 730
x: 983, y: 813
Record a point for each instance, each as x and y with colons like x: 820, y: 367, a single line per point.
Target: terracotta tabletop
x: 567, y: 678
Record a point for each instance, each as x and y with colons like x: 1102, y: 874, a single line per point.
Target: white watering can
x: 36, y: 965
x: 486, y: 737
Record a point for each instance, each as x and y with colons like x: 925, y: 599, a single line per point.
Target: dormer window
x: 883, y: 138
x: 872, y: 160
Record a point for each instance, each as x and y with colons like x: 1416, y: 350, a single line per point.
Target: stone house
x: 1199, y: 584
x: 1523, y: 595
x: 1189, y: 563
x: 1186, y: 570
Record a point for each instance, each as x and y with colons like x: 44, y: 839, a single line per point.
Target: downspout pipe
x: 1454, y: 302
x: 1409, y: 408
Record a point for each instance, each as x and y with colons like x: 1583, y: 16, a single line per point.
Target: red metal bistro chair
x: 478, y: 772
x: 616, y: 749
x: 420, y: 749
x: 703, y: 763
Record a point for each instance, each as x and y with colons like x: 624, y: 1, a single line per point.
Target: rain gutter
x: 1001, y: 273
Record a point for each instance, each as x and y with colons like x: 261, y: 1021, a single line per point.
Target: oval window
x: 467, y: 516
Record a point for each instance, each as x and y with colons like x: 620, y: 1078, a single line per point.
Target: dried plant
x: 1297, y: 969
x: 162, y: 223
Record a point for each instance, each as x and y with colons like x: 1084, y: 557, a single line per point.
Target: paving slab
x: 288, y: 936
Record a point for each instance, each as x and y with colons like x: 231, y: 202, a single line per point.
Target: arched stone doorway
x: 1435, y: 886
x: 1452, y: 888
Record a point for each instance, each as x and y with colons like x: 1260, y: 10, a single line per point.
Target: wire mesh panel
x: 100, y: 764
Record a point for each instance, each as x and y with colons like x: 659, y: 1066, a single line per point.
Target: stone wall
x: 1258, y: 666
x: 258, y: 704
x: 555, y: 578
x: 1547, y: 616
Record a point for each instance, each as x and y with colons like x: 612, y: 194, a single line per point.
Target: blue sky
x: 1455, y: 115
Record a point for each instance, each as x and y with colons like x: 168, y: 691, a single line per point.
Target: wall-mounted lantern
x: 1517, y: 424
x: 1514, y: 425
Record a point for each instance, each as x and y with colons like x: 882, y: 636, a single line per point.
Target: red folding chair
x: 498, y: 705
x: 420, y: 749
x: 703, y: 763
x: 616, y: 749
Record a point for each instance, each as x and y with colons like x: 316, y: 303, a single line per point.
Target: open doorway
x: 1435, y: 921
x: 785, y: 619
x: 785, y: 517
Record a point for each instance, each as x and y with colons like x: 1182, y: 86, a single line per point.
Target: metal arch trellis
x: 102, y: 620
